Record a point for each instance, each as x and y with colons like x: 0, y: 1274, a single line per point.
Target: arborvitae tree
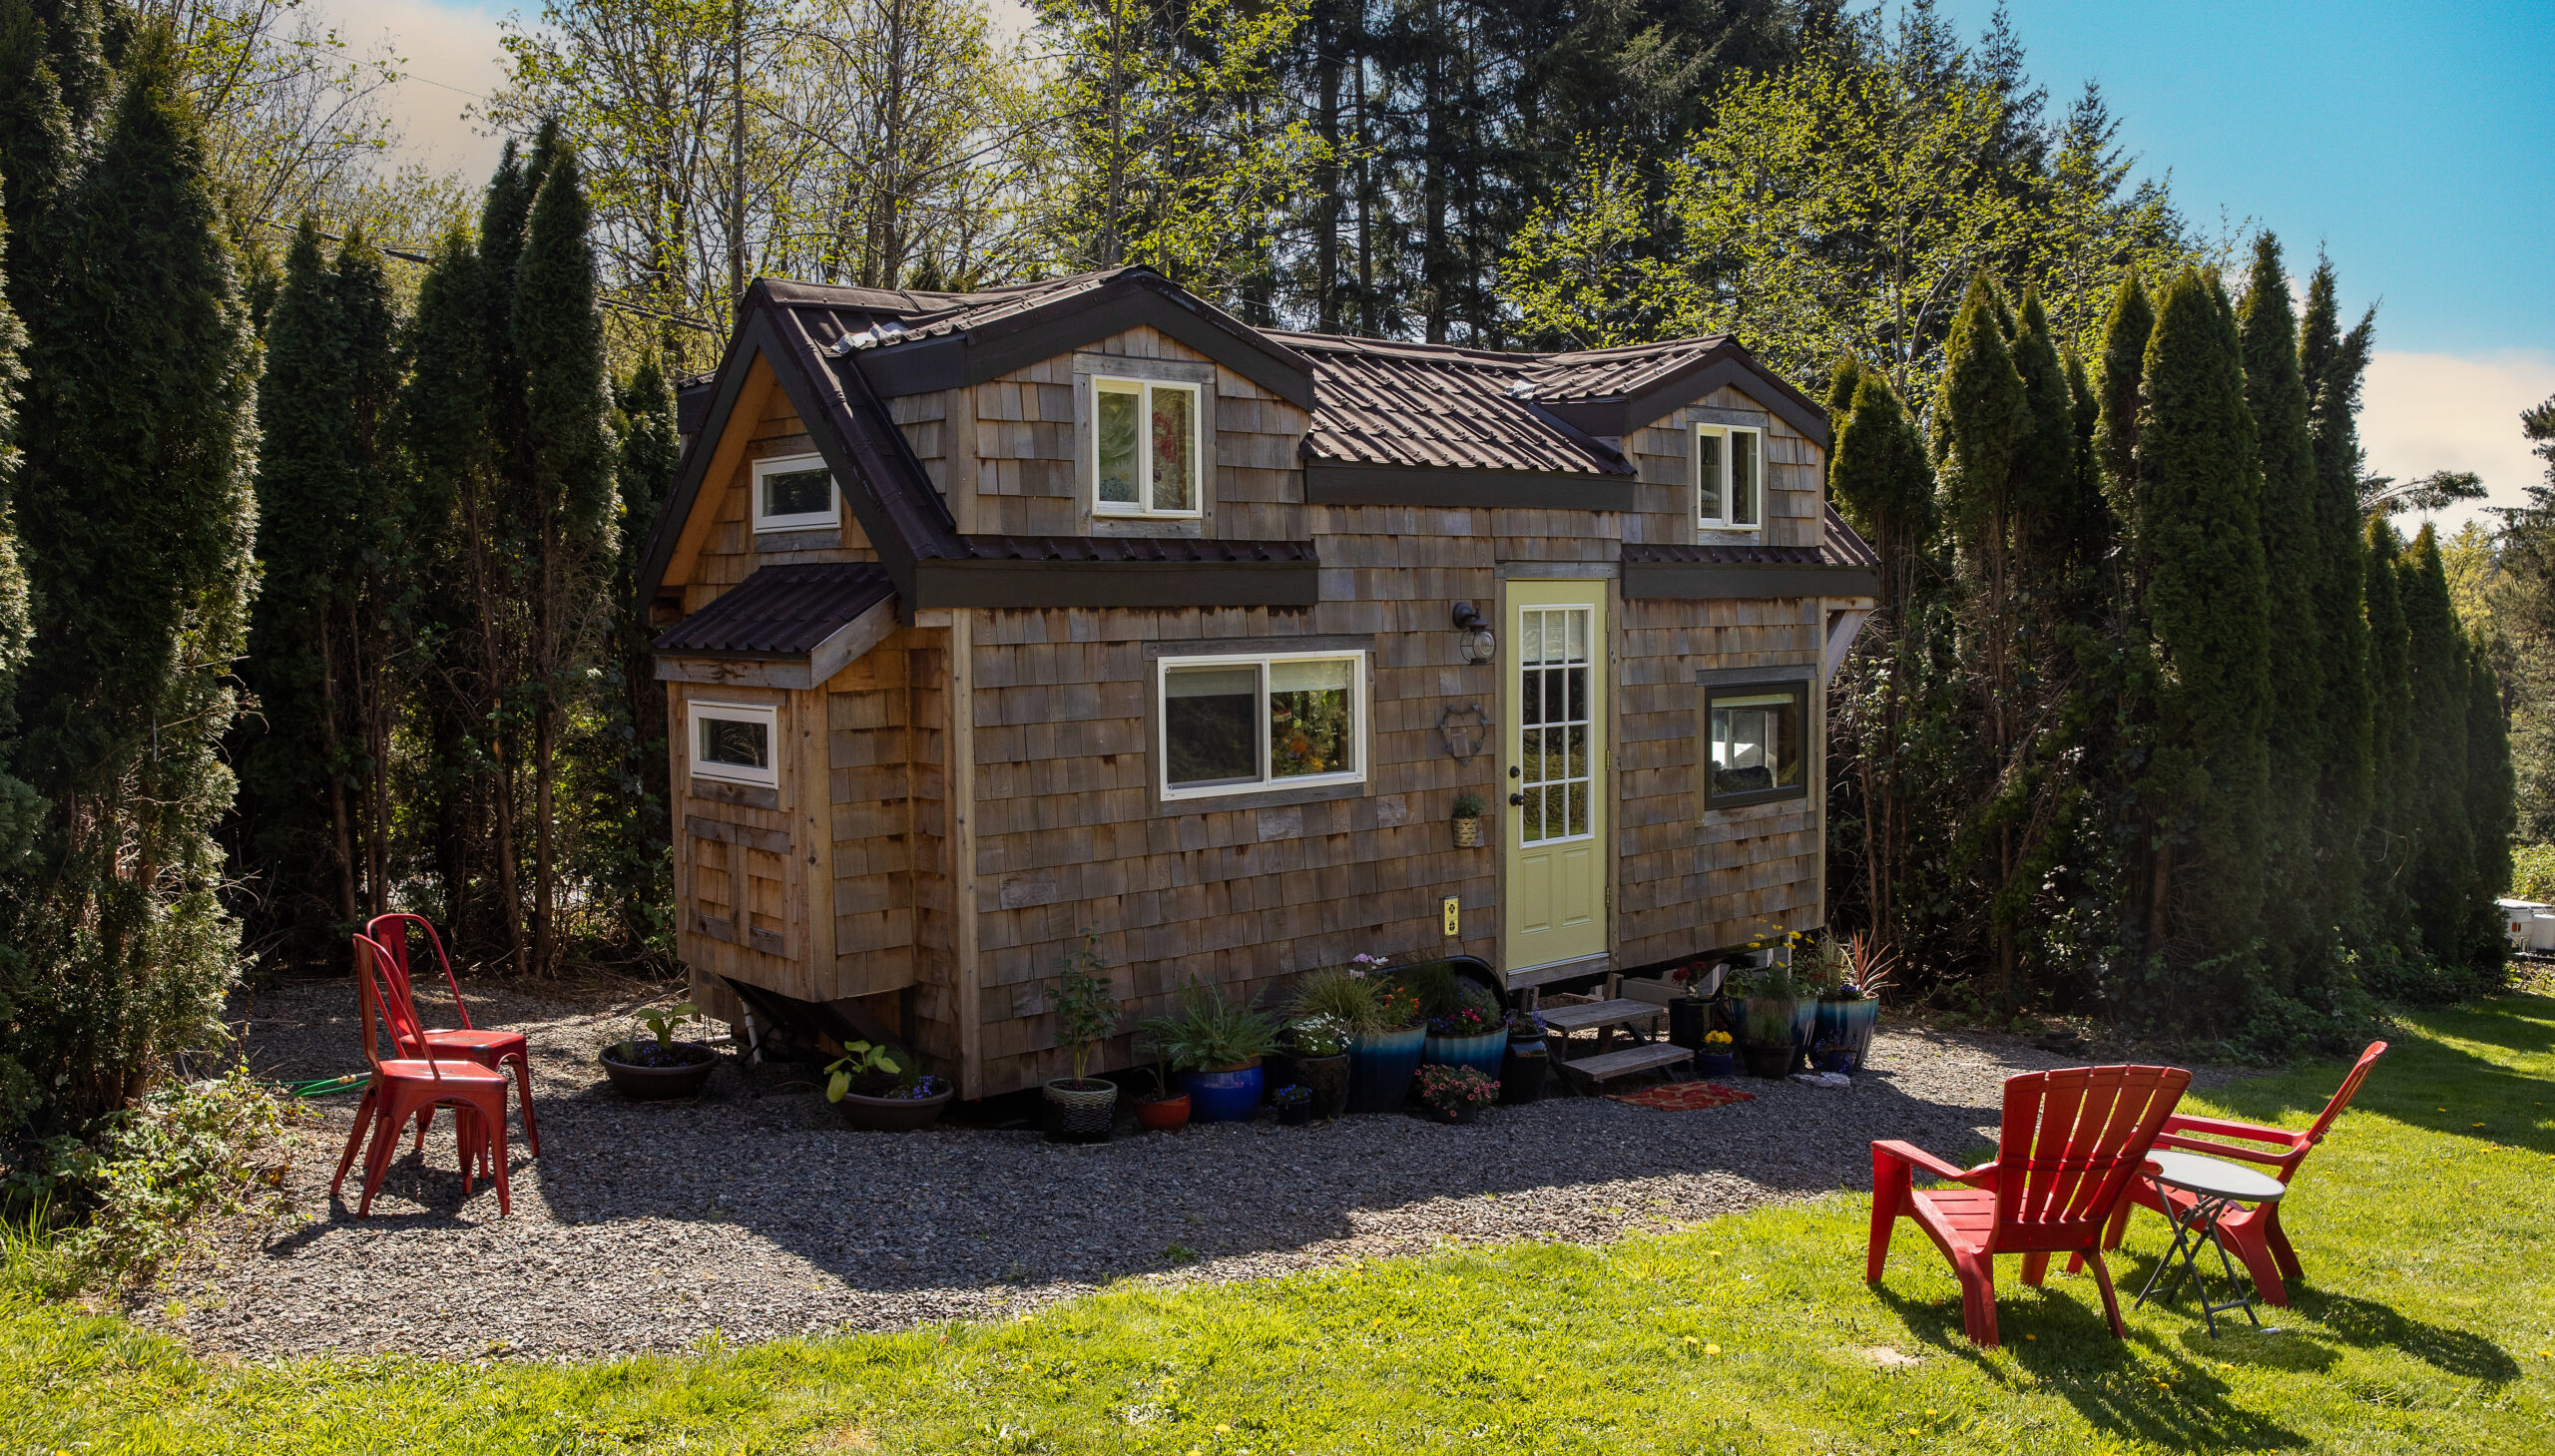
x: 2443, y: 864
x: 36, y: 153
x: 20, y: 807
x: 2119, y: 390
x: 2492, y: 803
x: 392, y: 576
x: 298, y: 774
x: 639, y: 794
x: 2390, y: 836
x: 566, y: 545
x: 2048, y: 500
x: 2300, y: 915
x: 2197, y: 555
x: 2330, y: 365
x: 135, y: 505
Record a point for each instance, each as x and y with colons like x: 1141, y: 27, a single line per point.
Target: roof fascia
x: 1728, y: 364
x: 998, y: 349
x: 1697, y: 581
x: 1459, y: 488
x: 1042, y: 584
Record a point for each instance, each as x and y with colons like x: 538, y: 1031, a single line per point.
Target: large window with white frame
x: 734, y: 742
x: 794, y: 493
x: 1146, y: 438
x: 1730, y: 477
x: 1233, y: 724
x: 1756, y: 744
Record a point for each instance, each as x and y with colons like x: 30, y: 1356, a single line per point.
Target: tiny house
x: 992, y: 618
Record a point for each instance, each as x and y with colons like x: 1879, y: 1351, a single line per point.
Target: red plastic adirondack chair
x: 493, y: 1049
x: 2072, y: 1141
x: 403, y: 1087
x: 2252, y: 1233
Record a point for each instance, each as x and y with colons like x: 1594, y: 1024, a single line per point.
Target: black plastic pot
x: 893, y: 1114
x: 1523, y: 1071
x: 1689, y: 1017
x: 1081, y: 1112
x: 640, y: 1081
x: 1767, y: 1060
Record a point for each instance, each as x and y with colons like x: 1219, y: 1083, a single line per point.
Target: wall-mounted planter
x: 1468, y: 833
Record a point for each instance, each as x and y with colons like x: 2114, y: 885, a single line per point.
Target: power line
x: 405, y: 255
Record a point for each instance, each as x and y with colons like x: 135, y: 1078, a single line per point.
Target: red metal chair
x: 490, y: 1049
x: 2252, y: 1233
x: 2071, y: 1143
x: 405, y: 1087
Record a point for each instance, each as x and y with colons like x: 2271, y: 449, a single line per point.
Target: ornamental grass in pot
x: 1853, y: 974
x: 1215, y: 1043
x: 1769, y: 1015
x: 1083, y: 1107
x: 1385, y: 1024
x: 879, y: 1089
x: 659, y: 1068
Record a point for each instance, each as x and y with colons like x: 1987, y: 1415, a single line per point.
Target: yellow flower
x: 1690, y: 1340
x: 1711, y: 1349
x: 1220, y: 1430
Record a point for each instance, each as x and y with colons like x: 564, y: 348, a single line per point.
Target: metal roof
x: 1380, y: 403
x: 1841, y: 547
x: 780, y: 610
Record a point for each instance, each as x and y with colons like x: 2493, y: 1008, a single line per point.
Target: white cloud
x: 2426, y: 412
x: 449, y: 60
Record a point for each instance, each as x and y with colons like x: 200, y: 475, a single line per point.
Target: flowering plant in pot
x: 1295, y: 1105
x: 1313, y: 1053
x: 1083, y: 1107
x: 1385, y: 1023
x: 1465, y: 1027
x: 659, y: 1067
x: 1454, y: 1093
x: 1717, y: 1058
x: 875, y: 1090
x: 1215, y: 1043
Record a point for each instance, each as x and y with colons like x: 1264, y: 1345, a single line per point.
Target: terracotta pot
x: 640, y: 1083
x: 1081, y: 1112
x: 893, y: 1114
x: 1163, y: 1113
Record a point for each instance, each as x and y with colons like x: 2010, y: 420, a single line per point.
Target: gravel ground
x: 752, y: 1211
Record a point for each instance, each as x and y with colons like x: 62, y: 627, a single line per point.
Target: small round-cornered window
x: 732, y: 742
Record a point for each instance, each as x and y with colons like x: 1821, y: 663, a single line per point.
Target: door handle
x: 1516, y: 801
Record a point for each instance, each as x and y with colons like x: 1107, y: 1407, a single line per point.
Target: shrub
x: 1452, y: 1089
x: 2533, y: 872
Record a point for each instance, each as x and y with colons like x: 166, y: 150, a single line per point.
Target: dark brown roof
x: 780, y: 610
x: 1623, y: 371
x: 1841, y: 547
x: 1383, y: 403
x: 1173, y: 548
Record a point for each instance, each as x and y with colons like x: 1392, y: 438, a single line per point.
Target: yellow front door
x: 1555, y: 737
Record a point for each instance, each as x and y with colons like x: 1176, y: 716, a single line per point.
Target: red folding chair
x: 2071, y: 1141
x: 405, y: 1087
x: 2254, y: 1234
x: 490, y: 1049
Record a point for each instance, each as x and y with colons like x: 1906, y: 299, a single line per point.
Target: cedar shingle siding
x: 973, y: 790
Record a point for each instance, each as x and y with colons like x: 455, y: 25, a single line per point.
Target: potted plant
x: 1467, y: 1036
x: 1527, y: 1062
x: 1768, y: 1016
x: 1163, y: 1110
x: 1855, y: 972
x: 1690, y: 1015
x: 875, y: 1090
x: 1468, y: 808
x: 1082, y: 1108
x: 1294, y: 1104
x: 1715, y: 1059
x: 1215, y: 1043
x: 1390, y: 1030
x: 1454, y: 1093
x: 1313, y: 1053
x: 660, y: 1067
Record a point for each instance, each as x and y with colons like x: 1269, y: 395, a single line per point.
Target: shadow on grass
x: 2073, y: 1355
x: 2367, y: 1323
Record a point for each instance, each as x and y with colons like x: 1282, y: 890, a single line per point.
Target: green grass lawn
x: 2426, y: 1323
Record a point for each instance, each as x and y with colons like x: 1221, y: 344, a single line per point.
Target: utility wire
x: 405, y: 255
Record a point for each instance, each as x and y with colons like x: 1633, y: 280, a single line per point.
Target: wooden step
x: 1568, y: 1019
x: 1628, y: 1061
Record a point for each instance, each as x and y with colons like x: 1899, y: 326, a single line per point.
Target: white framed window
x: 1730, y: 477
x: 795, y: 493
x: 1233, y: 724
x: 1146, y: 440
x: 1757, y: 744
x: 734, y: 742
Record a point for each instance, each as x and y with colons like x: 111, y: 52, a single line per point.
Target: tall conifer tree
x: 2437, y: 676
x: 2492, y: 804
x: 2390, y: 837
x: 2329, y: 366
x: 2300, y: 915
x: 2198, y: 552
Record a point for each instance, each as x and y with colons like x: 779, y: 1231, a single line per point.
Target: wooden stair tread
x: 1628, y: 1061
x: 1599, y: 1012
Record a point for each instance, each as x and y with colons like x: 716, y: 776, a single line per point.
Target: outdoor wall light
x: 1478, y: 645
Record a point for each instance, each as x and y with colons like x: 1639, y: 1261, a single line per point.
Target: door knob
x: 1516, y: 801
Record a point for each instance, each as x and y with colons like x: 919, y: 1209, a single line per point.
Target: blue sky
x: 2404, y: 138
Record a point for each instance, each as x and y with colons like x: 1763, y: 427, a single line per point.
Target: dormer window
x: 794, y: 493
x: 1730, y: 471
x: 1145, y: 449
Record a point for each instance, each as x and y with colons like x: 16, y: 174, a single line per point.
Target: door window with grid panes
x: 1556, y: 725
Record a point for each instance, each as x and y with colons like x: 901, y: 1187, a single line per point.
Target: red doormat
x: 1683, y: 1096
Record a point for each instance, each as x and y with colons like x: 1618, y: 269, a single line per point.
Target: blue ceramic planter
x: 1223, y: 1096
x: 1852, y: 1023
x: 1715, y: 1063
x: 1380, y: 1068
x: 1481, y: 1052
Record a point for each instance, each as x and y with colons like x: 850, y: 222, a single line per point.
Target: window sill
x: 798, y: 538
x: 1752, y: 799
x: 747, y: 795
x: 1259, y: 798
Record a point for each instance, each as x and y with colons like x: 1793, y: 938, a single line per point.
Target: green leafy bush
x: 2533, y: 872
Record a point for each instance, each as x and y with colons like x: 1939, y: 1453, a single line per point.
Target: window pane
x: 1117, y: 410
x: 1310, y: 727
x: 1707, y: 475
x: 1175, y: 450
x: 736, y: 743
x: 1530, y: 637
x: 1210, y: 724
x: 1578, y: 808
x: 1578, y: 635
x: 1757, y: 743
x: 1742, y: 477
x: 799, y: 493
